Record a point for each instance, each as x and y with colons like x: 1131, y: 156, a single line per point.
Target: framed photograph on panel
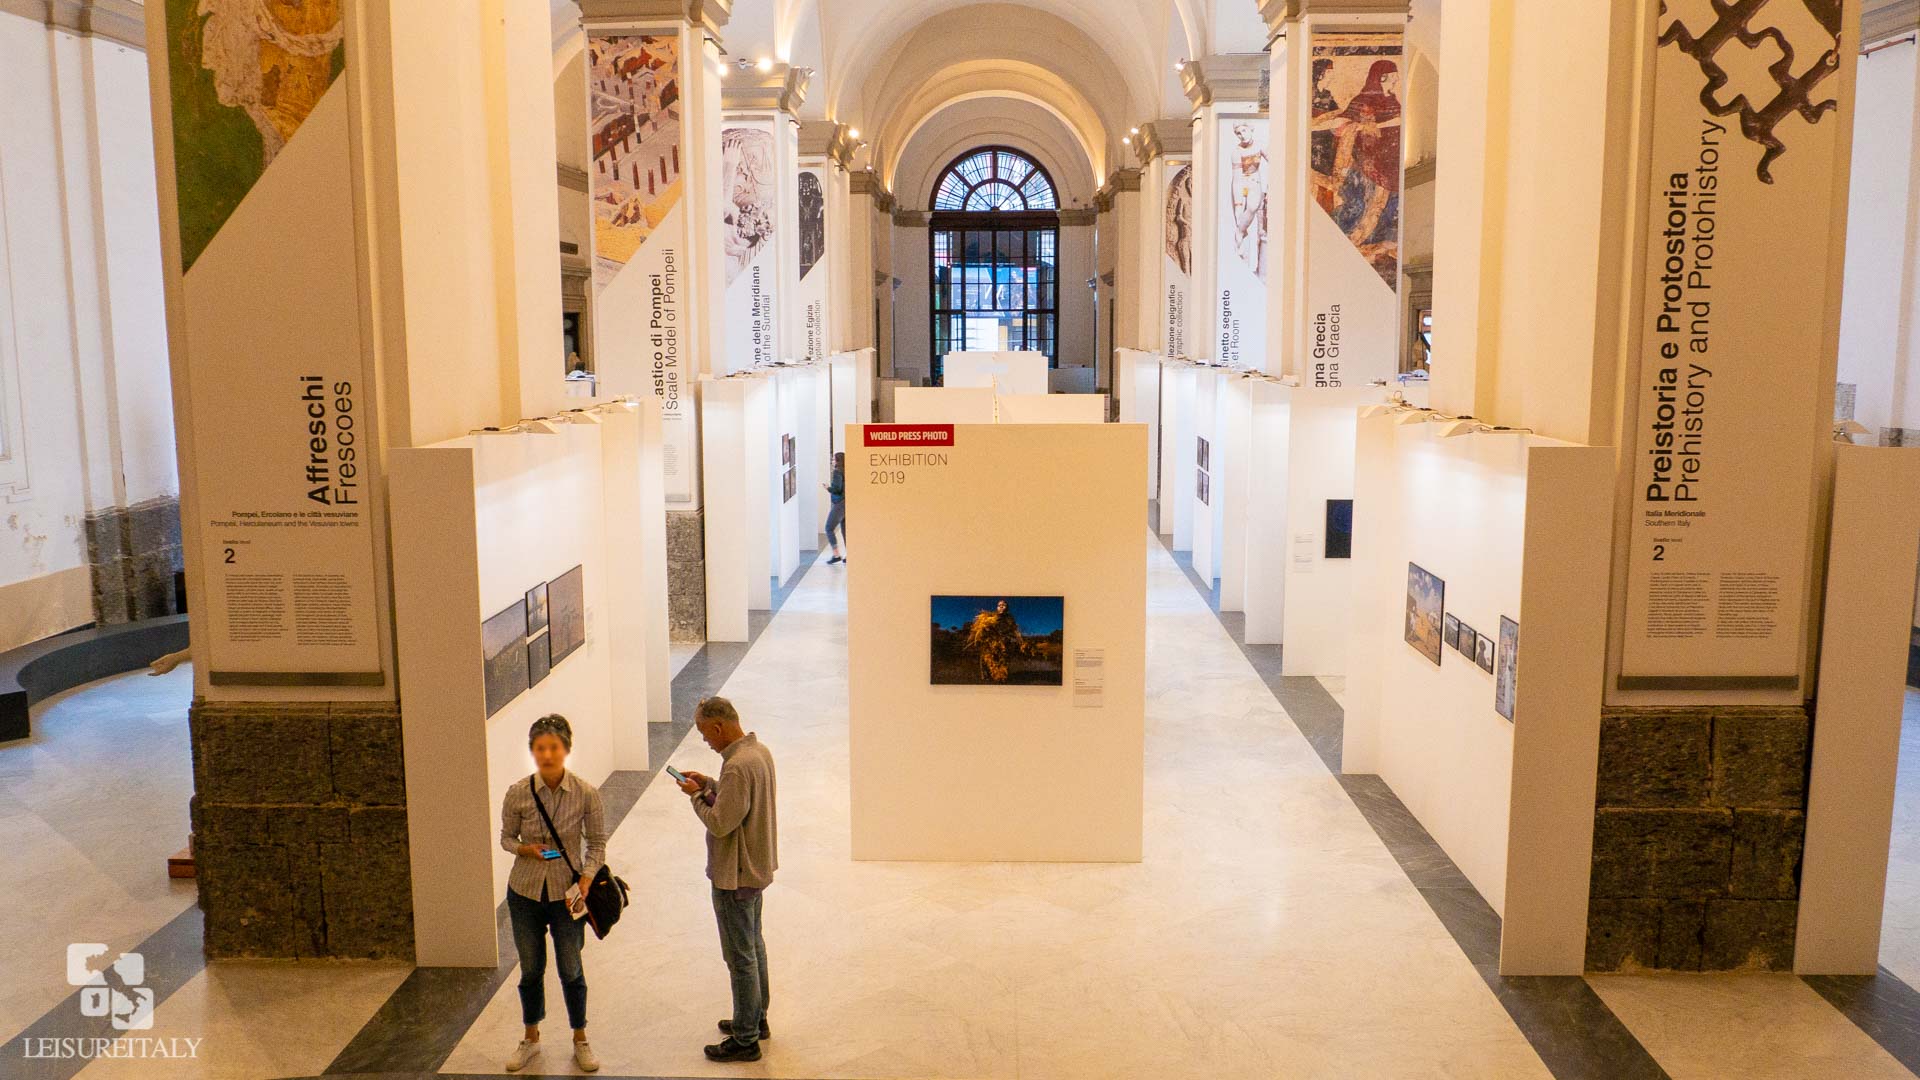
x: 504, y: 663
x: 1450, y: 630
x: 1506, y: 673
x: 567, y: 599
x: 1426, y: 608
x: 998, y: 641
x: 539, y: 657
x: 1483, y: 653
x: 1339, y: 529
x: 536, y: 610
x: 1465, y: 639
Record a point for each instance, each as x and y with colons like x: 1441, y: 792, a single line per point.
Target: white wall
x: 84, y: 384
x: 1008, y: 773
x: 1875, y: 309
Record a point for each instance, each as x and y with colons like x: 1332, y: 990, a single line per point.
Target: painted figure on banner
x: 746, y: 185
x: 1356, y: 145
x: 1249, y: 188
x: 1762, y: 61
x: 813, y: 222
x: 245, y: 76
x: 1180, y: 219
x: 635, y: 86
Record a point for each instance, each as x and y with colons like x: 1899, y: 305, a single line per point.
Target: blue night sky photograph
x: 1037, y: 615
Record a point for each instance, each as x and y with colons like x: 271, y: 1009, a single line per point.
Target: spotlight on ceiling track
x: 1452, y: 428
x: 1413, y: 416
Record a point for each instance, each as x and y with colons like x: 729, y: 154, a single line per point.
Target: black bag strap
x: 533, y: 785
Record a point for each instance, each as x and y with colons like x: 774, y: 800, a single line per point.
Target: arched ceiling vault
x: 966, y: 125
x: 1001, y: 81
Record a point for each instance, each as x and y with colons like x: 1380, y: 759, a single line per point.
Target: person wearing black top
x: 837, y: 514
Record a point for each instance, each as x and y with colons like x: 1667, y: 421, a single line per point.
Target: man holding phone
x: 742, y: 854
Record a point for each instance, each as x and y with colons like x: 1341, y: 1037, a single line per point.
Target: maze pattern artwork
x: 1764, y: 61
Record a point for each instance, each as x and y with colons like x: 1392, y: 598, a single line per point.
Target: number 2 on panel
x: 1659, y: 553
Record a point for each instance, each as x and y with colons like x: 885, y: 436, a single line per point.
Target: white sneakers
x: 583, y: 1057
x: 525, y: 1052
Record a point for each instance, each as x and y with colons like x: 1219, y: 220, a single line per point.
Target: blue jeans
x: 532, y: 920
x: 746, y: 955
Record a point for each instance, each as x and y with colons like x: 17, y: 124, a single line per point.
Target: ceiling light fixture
x: 1126, y: 140
x: 854, y: 134
x: 1180, y: 65
x: 1135, y: 131
x: 765, y: 65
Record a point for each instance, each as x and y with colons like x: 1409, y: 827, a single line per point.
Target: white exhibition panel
x: 998, y: 773
x: 636, y: 500
x: 853, y: 391
x: 1137, y: 392
x: 1177, y: 387
x: 784, y: 513
x: 816, y: 453
x: 1317, y: 598
x: 1052, y: 408
x: 1008, y: 372
x: 477, y: 522
x: 1235, y: 484
x: 736, y: 437
x: 1864, y: 646
x: 1519, y: 527
x: 1269, y: 442
x: 1206, y: 515
x: 943, y: 405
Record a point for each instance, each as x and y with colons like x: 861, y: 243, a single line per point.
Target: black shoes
x: 726, y: 1028
x: 729, y: 1050
x: 835, y: 559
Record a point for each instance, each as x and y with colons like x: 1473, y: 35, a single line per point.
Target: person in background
x: 544, y: 896
x: 837, y: 513
x: 742, y: 854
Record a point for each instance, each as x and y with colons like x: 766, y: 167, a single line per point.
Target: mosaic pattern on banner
x: 635, y: 88
x: 1355, y: 143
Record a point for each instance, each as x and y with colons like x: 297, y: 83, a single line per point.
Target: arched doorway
x: 996, y: 256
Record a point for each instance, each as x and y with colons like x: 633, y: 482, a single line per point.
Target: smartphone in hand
x: 678, y: 776
x: 550, y: 854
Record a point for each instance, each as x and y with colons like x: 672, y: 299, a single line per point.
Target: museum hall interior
x: 432, y: 642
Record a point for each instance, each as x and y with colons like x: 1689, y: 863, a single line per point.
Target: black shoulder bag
x: 607, y: 894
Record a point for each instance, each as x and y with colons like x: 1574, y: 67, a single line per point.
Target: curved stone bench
x: 38, y: 671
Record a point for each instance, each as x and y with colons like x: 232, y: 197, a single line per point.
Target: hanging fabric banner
x: 1178, y: 257
x: 814, y: 273
x: 1733, y: 331
x: 1353, y: 226
x: 748, y: 212
x: 640, y: 233
x: 1241, y: 319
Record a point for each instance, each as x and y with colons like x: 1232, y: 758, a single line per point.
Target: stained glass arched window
x: 995, y: 179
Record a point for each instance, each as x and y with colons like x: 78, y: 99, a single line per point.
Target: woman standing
x: 837, y: 513
x: 554, y: 824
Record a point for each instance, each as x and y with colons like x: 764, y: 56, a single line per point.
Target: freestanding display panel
x: 1040, y: 757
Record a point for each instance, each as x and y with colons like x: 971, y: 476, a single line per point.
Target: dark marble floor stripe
x: 174, y: 954
x: 1561, y: 1017
x: 1882, y: 1005
x: 420, y: 1024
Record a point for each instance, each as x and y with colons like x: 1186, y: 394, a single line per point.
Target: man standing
x: 742, y: 854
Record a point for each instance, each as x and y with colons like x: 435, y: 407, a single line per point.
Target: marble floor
x: 1269, y: 932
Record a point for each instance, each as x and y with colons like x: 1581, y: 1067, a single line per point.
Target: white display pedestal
x: 476, y: 523
x: 1234, y: 423
x: 1864, y: 645
x: 947, y: 772
x: 1515, y: 526
x: 1052, y: 408
x: 737, y: 437
x: 943, y: 405
x: 1136, y: 387
x: 635, y: 446
x: 1177, y: 386
x: 1007, y: 372
x: 1206, y: 500
x: 853, y: 391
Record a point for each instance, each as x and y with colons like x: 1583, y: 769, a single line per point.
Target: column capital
x: 1882, y: 20
x: 1173, y: 135
x: 120, y: 21
x: 1121, y: 180
x: 867, y: 182
x: 1223, y: 77
x: 781, y: 87
x: 710, y: 15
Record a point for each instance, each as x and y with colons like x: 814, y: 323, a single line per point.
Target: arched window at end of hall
x: 995, y: 254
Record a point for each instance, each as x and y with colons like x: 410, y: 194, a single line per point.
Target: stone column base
x: 1698, y: 831
x: 687, y: 575
x: 134, y: 553
x: 300, y: 830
